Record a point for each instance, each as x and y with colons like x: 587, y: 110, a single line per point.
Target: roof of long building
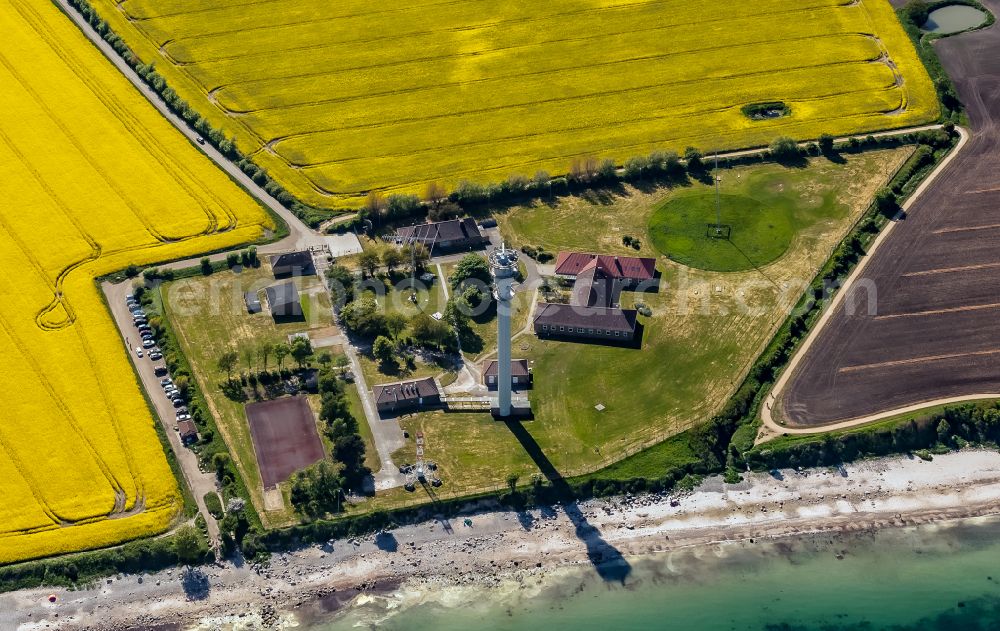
x: 603, y: 318
x: 627, y: 267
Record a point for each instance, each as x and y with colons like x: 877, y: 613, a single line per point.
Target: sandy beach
x: 498, y: 548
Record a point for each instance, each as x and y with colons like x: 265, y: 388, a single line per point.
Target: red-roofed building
x: 630, y: 269
x: 593, y: 312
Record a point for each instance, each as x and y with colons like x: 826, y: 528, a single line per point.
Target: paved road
x: 200, y: 482
x: 387, y: 433
x: 924, y: 326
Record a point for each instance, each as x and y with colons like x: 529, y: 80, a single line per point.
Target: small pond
x: 954, y: 18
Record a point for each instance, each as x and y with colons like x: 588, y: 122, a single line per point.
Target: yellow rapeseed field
x: 338, y: 98
x: 94, y: 179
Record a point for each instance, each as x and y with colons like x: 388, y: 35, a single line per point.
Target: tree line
x: 319, y: 489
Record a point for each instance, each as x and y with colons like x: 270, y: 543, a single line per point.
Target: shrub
x: 826, y: 144
x: 784, y: 148
x: 213, y: 504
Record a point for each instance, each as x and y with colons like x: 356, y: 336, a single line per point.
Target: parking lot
x: 150, y: 373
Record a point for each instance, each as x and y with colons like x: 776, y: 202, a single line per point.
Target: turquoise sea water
x: 934, y: 577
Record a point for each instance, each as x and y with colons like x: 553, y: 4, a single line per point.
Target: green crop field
x: 335, y: 99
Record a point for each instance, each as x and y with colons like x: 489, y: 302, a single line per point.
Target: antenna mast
x: 718, y: 197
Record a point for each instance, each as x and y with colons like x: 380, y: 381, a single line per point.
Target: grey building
x: 455, y: 234
x: 391, y: 398
x: 293, y: 264
x: 252, y: 302
x: 283, y: 301
x: 601, y: 324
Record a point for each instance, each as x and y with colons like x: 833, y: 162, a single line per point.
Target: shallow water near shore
x: 944, y: 576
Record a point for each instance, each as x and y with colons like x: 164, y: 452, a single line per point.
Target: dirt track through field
x: 924, y: 325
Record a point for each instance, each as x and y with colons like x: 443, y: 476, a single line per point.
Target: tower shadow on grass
x: 609, y: 563
x: 758, y: 268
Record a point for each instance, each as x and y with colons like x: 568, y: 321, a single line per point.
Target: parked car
x: 138, y: 351
x: 130, y: 301
x: 156, y: 356
x: 178, y: 403
x: 141, y: 323
x: 182, y: 409
x: 160, y: 371
x: 148, y: 343
x: 166, y: 381
x: 183, y: 417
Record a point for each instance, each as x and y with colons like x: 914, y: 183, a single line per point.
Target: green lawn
x: 393, y: 295
x: 458, y: 442
x: 375, y: 374
x: 752, y: 233
x: 483, y: 339
x: 706, y: 329
x: 209, y: 316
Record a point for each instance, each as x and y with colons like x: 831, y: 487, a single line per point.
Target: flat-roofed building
x: 252, y: 302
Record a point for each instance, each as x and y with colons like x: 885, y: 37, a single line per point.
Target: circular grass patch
x: 679, y: 228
